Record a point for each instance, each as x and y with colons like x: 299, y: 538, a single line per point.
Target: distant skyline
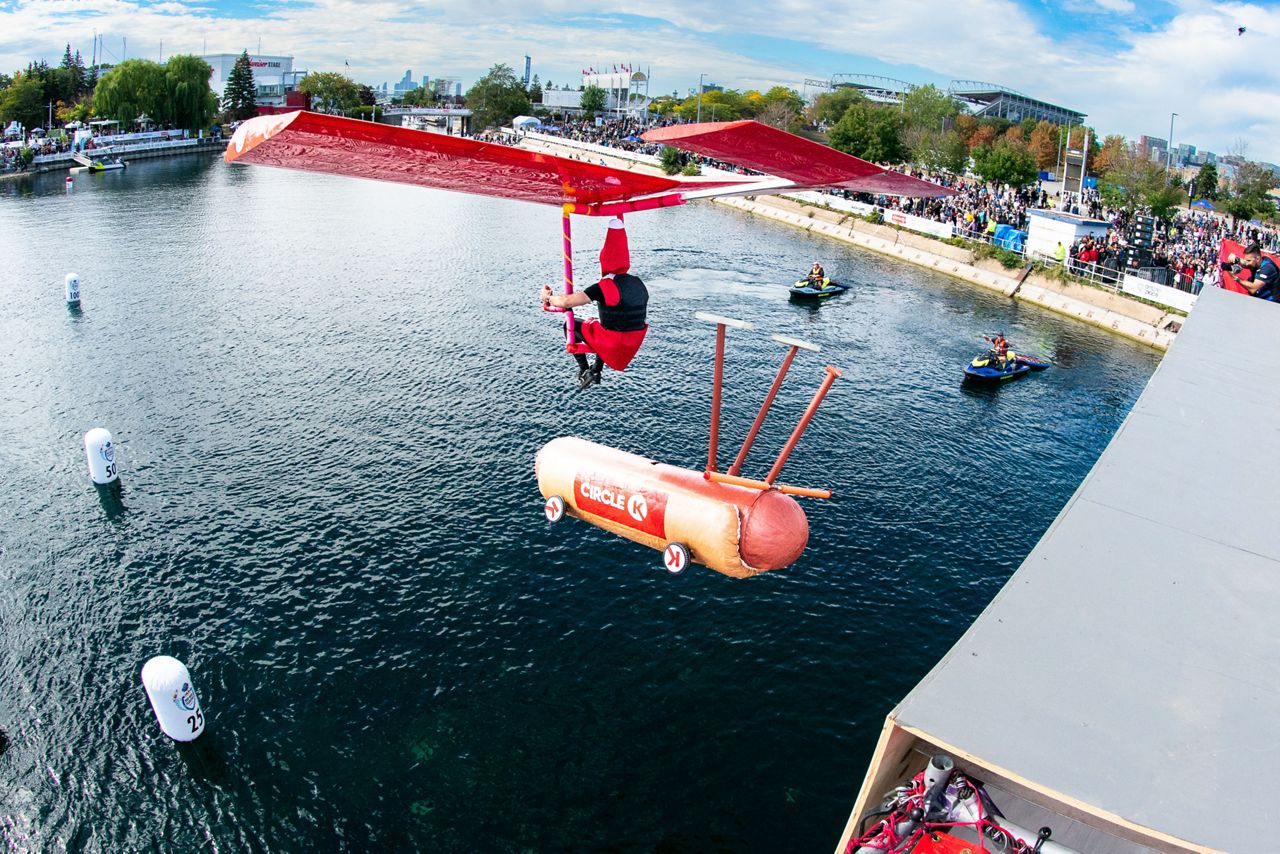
x: 1127, y: 65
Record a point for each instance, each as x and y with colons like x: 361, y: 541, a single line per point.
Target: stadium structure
x: 981, y: 99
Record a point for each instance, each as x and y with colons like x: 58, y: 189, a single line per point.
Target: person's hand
x: 546, y: 295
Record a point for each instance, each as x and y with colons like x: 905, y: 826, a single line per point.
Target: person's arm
x: 572, y: 300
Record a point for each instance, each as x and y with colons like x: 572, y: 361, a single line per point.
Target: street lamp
x: 700, y: 76
x: 1169, y: 159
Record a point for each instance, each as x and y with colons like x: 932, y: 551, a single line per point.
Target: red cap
x: 614, y: 256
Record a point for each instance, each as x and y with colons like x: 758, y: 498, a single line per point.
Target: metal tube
x: 764, y: 410
x: 716, y: 383
x: 567, y: 234
x: 833, y: 373
x: 802, y: 491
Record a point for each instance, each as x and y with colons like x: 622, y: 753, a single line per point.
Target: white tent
x: 526, y: 122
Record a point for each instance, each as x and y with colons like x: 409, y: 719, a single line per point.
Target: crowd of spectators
x: 1184, y: 252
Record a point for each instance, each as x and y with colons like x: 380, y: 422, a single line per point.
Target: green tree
x: 189, y: 102
x: 871, y: 132
x: 497, y: 97
x: 1131, y: 179
x: 330, y: 92
x: 1005, y: 163
x: 1250, y: 191
x: 593, y: 101
x: 130, y: 89
x: 671, y: 159
x: 1207, y: 181
x: 1165, y: 200
x: 829, y: 107
x: 927, y: 112
x: 535, y: 91
x: 22, y: 101
x: 240, y: 95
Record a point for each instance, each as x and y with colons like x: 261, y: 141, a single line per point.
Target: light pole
x: 1169, y: 163
x: 700, y: 77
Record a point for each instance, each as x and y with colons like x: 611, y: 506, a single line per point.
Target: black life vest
x: 624, y: 304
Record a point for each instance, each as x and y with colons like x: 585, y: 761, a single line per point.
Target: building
x: 273, y: 76
x: 405, y: 83
x: 990, y: 99
x: 1148, y: 144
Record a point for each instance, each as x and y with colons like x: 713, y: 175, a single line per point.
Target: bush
x: 26, y: 156
x: 671, y: 159
x: 691, y: 169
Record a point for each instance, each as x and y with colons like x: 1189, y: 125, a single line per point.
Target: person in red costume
x: 621, y: 300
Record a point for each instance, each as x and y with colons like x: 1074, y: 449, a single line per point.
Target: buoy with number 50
x: 173, y: 698
x: 100, y: 451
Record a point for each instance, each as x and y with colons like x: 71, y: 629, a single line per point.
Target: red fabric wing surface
x: 776, y: 152
x: 1229, y: 282
x: 340, y: 146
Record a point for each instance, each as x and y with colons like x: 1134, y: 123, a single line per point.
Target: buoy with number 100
x: 173, y: 698
x: 71, y: 285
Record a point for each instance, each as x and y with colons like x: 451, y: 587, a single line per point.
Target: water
x: 327, y: 396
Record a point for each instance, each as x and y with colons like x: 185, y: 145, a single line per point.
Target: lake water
x: 327, y: 396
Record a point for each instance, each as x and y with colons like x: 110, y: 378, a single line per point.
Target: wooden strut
x: 802, y: 491
x: 736, y: 468
x: 833, y: 373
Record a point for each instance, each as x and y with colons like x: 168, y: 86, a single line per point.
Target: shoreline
x: 1129, y: 318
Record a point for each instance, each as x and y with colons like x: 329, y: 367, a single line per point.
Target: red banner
x: 634, y: 507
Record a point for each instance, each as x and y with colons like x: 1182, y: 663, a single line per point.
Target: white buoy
x: 173, y: 698
x: 72, y: 286
x: 70, y: 183
x: 101, y: 454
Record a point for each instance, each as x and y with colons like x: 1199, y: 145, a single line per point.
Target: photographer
x: 1264, y: 278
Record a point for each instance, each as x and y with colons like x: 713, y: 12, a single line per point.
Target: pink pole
x: 566, y: 231
x: 832, y: 374
x: 736, y: 468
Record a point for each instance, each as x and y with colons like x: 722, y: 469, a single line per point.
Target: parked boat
x: 106, y: 166
x: 807, y: 290
x: 984, y: 368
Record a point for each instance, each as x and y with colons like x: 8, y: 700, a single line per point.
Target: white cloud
x: 1128, y: 79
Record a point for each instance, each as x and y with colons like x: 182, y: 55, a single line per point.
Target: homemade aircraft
x: 735, y: 525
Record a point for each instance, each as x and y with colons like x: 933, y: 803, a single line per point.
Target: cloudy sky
x: 1128, y: 64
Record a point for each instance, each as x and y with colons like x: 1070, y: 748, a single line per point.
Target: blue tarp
x: 1203, y: 203
x: 1008, y: 237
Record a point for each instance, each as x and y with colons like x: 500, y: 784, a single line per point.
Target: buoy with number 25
x: 173, y: 698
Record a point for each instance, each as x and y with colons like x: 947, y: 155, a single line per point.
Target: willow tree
x: 131, y: 89
x: 190, y: 103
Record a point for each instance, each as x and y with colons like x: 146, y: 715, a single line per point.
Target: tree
x: 982, y: 136
x: 1042, y: 142
x: 190, y: 103
x: 366, y: 95
x: 1005, y: 163
x: 829, y: 107
x: 73, y: 65
x: 240, y: 95
x: 1130, y: 181
x: 1113, y: 146
x: 131, y: 89
x: 497, y: 97
x: 594, y: 100
x: 929, y: 108
x: 671, y: 159
x: 1250, y: 191
x: 330, y: 92
x: 1207, y: 181
x: 1165, y: 200
x: 22, y: 101
x: 535, y: 91
x: 871, y: 132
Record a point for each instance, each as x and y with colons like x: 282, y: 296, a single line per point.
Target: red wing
x: 321, y: 143
x: 776, y: 152
x: 1230, y: 281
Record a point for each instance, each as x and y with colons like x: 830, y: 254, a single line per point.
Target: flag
x: 615, y: 68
